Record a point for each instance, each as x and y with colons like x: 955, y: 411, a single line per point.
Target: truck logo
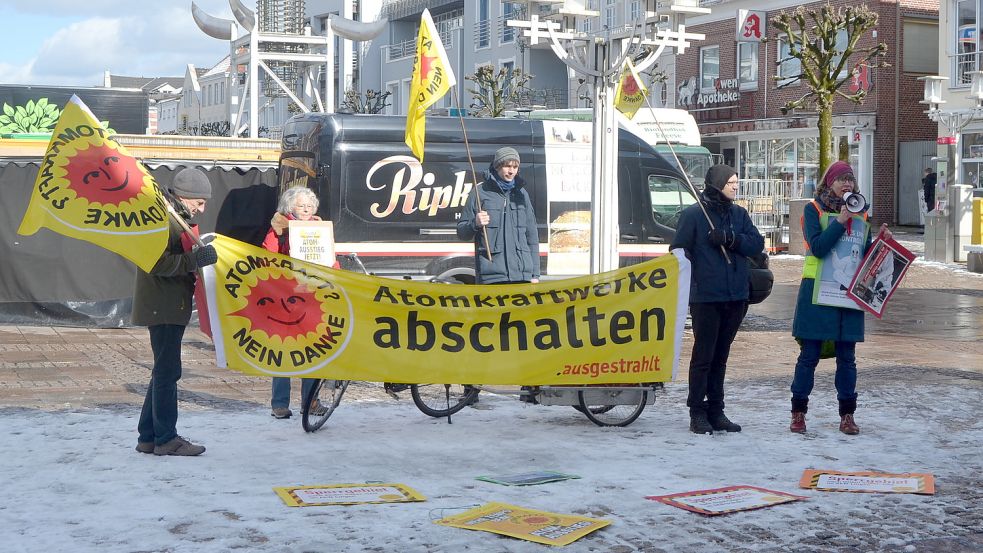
x: 412, y: 189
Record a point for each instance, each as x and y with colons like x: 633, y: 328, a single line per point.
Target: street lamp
x: 954, y: 121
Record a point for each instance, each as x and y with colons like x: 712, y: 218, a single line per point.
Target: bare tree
x: 811, y: 35
x: 494, y: 92
x: 375, y: 101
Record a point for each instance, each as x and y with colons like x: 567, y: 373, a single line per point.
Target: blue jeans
x: 158, y: 418
x: 846, y: 370
x: 281, y: 391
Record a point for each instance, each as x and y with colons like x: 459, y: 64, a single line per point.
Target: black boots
x: 720, y: 422
x: 698, y: 424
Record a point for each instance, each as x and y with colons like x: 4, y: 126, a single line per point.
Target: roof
x: 149, y: 84
x: 219, y: 68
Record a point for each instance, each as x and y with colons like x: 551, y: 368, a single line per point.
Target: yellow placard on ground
x: 527, y: 524
x: 272, y: 315
x: 868, y: 482
x: 347, y: 494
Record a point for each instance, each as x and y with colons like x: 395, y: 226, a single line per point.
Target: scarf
x: 828, y: 199
x: 715, y: 200
x: 505, y: 185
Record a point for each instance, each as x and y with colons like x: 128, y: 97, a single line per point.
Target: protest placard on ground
x: 528, y: 478
x: 347, y: 494
x: 868, y: 482
x: 527, y: 524
x: 720, y: 501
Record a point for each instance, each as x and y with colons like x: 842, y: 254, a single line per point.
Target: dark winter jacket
x: 713, y: 279
x: 824, y: 322
x: 512, y: 233
x: 163, y: 296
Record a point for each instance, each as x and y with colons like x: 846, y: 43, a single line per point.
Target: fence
x: 766, y: 201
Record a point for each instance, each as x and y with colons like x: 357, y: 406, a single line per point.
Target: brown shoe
x: 798, y: 423
x: 179, y: 446
x: 281, y: 412
x: 145, y: 447
x: 847, y: 426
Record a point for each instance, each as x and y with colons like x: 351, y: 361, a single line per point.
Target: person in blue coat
x: 815, y: 324
x: 719, y: 291
x: 505, y: 216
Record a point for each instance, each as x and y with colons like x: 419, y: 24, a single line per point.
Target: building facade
x: 736, y: 91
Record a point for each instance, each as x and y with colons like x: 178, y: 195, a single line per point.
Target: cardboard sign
x: 312, y: 241
x: 528, y: 478
x: 347, y: 494
x: 720, y: 501
x: 868, y: 482
x: 527, y: 524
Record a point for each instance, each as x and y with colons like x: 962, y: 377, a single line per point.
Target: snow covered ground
x: 72, y: 481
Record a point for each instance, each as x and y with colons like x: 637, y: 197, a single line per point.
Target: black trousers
x: 714, y: 329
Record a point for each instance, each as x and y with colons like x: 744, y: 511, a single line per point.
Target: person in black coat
x: 719, y: 291
x: 928, y: 187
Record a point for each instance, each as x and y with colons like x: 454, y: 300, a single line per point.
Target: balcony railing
x: 407, y: 48
x: 962, y: 65
x: 482, y: 34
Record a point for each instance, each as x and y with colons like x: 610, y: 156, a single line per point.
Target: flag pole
x: 682, y: 170
x: 474, y: 174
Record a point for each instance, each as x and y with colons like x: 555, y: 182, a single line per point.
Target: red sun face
x: 630, y: 87
x: 103, y: 175
x: 283, y: 307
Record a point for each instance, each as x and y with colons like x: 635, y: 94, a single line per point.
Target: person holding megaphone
x: 837, y: 215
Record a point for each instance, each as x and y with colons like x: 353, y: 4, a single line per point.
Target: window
x: 508, y: 66
x: 840, y: 46
x: 669, y: 197
x: 586, y: 24
x: 925, y: 57
x: 709, y: 67
x: 966, y: 44
x: 508, y: 33
x: 789, y: 68
x: 483, y: 32
x: 747, y: 65
x: 634, y: 11
x: 609, y: 15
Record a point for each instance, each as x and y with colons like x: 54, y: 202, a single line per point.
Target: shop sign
x: 726, y: 91
x: 751, y: 25
x: 947, y: 140
x: 854, y: 136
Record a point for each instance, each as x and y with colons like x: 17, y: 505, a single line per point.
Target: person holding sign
x: 823, y: 312
x: 297, y: 203
x: 718, y: 237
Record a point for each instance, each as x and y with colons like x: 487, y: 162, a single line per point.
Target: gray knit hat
x: 191, y: 184
x: 504, y: 155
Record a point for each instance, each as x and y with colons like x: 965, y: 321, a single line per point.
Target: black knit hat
x: 718, y: 175
x: 191, y: 184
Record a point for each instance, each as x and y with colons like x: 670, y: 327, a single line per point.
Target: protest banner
x: 347, y: 494
x: 272, y: 315
x: 721, y: 501
x: 90, y: 188
x: 868, y: 482
x: 527, y: 524
x: 880, y: 274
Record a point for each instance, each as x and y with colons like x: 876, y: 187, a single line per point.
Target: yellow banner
x: 432, y: 78
x: 527, y: 524
x: 273, y: 315
x: 631, y: 91
x: 90, y: 188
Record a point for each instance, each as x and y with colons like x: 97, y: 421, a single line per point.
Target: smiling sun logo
x: 101, y: 174
x: 290, y: 323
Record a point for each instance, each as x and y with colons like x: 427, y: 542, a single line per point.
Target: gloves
x: 726, y: 238
x: 278, y: 223
x: 205, y: 255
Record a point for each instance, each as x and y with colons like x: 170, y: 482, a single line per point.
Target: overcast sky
x: 68, y: 42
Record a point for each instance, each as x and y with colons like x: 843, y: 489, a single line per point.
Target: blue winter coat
x: 512, y: 233
x: 713, y: 279
x: 824, y: 322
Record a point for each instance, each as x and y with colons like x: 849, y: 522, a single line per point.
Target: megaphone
x: 855, y: 202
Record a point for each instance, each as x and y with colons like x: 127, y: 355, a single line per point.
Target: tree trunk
x: 825, y: 138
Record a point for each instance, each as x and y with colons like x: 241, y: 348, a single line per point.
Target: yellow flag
x: 91, y: 189
x: 432, y: 78
x: 631, y: 92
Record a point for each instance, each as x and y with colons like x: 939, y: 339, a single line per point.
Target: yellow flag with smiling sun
x: 90, y: 188
x: 432, y: 78
x: 631, y: 91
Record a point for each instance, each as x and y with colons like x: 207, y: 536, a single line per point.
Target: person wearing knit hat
x: 718, y: 238
x: 162, y: 303
x: 505, y: 155
x: 827, y: 228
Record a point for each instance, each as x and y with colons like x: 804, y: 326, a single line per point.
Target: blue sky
x: 69, y: 42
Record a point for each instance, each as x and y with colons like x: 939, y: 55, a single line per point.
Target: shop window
x: 709, y: 67
x: 789, y: 68
x: 669, y: 197
x: 747, y: 65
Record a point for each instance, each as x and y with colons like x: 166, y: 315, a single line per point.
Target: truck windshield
x: 669, y: 197
x: 696, y: 166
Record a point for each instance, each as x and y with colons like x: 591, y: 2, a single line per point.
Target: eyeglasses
x: 847, y: 178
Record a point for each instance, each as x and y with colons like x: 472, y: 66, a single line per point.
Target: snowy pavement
x: 72, y: 481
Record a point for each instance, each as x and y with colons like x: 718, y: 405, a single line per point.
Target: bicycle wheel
x: 432, y: 399
x: 612, y: 407
x: 321, y: 403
